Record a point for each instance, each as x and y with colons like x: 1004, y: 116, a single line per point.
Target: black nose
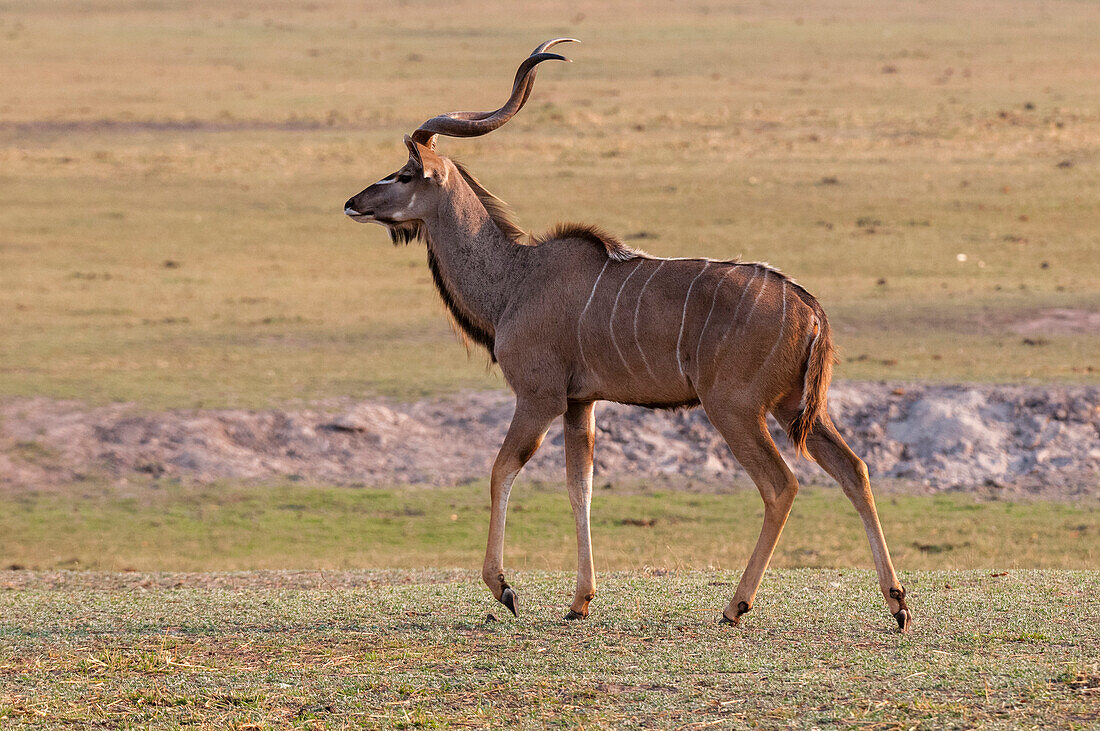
x: 349, y: 207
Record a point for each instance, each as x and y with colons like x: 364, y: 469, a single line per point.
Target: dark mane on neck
x: 502, y: 215
x: 407, y: 231
x: 498, y: 210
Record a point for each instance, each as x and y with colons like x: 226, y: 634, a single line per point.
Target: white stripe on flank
x: 580, y: 319
x: 782, y: 327
x: 713, y: 302
x: 741, y: 301
x: 637, y: 308
x: 683, y: 318
x: 756, y: 299
x: 737, y: 310
x: 611, y: 322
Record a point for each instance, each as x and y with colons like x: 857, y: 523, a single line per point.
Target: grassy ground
x: 173, y: 176
x: 231, y: 527
x: 370, y: 650
x: 172, y: 179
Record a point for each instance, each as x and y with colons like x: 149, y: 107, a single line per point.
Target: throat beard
x: 404, y: 232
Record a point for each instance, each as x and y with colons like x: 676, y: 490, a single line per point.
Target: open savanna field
x: 172, y: 178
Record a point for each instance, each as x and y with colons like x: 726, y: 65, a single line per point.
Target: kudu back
x: 575, y: 316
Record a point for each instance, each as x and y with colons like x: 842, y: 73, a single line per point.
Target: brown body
x: 577, y: 317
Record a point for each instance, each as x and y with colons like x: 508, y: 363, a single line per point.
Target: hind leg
x: 747, y: 436
x: 580, y: 438
x: 837, y: 459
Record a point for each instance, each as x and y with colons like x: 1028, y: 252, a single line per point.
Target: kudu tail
x: 815, y: 385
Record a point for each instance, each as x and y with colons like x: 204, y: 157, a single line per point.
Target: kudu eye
x: 404, y: 178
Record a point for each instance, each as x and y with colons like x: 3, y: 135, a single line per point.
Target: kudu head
x: 402, y: 200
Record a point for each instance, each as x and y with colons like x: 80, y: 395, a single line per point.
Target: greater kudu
x: 576, y: 316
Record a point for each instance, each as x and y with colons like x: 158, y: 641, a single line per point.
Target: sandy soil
x: 1041, y: 440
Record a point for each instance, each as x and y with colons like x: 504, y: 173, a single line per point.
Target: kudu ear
x: 429, y: 162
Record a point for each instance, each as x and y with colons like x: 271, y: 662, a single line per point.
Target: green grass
x: 221, y: 527
x: 392, y: 650
x: 711, y: 129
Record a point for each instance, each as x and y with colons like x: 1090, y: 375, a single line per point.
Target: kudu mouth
x: 356, y: 215
x: 370, y: 217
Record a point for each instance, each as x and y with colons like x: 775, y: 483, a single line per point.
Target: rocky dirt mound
x: 1041, y: 440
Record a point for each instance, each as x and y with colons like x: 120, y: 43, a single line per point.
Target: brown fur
x: 575, y: 316
x: 612, y: 246
x: 467, y: 329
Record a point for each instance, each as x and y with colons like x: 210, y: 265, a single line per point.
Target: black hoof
x: 574, y: 615
x: 903, y: 616
x: 742, y: 608
x: 508, y: 599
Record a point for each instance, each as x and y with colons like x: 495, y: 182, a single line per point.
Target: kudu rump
x: 576, y: 316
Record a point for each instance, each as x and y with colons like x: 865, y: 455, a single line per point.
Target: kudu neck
x: 477, y: 261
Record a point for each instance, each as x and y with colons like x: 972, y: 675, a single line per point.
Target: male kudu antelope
x: 575, y: 317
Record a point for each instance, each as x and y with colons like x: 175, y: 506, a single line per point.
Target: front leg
x: 580, y: 439
x: 525, y: 434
